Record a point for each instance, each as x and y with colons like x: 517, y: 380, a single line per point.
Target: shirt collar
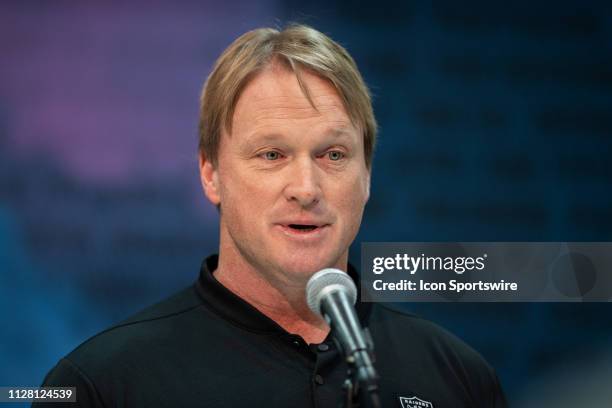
x: 241, y: 313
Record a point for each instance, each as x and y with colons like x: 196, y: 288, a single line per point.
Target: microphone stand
x: 361, y: 384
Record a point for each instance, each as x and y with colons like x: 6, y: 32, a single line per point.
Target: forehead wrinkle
x: 284, y: 112
x: 279, y: 119
x: 279, y: 101
x: 278, y: 108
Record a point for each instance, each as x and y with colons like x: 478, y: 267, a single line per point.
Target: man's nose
x: 303, y: 184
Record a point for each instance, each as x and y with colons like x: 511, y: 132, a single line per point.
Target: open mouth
x: 302, y: 227
x: 304, y: 232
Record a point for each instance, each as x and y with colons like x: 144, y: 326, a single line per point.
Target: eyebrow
x: 340, y: 132
x: 263, y: 137
x: 256, y: 137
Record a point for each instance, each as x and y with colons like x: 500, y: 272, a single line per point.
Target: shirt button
x: 318, y: 379
x: 323, y: 347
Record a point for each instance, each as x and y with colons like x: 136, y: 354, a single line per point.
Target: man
x: 287, y: 135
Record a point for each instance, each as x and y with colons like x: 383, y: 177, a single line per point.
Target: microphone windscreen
x: 327, y: 281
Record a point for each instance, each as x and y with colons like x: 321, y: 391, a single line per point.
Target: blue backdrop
x: 495, y: 125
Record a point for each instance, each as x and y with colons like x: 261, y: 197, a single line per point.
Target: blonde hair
x: 297, y: 47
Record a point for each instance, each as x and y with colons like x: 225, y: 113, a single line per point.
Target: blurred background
x: 495, y: 125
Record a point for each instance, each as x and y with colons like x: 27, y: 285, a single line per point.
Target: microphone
x: 331, y: 293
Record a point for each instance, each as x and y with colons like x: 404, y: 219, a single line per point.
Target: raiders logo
x: 414, y: 402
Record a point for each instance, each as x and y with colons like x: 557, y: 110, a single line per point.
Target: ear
x: 209, y: 177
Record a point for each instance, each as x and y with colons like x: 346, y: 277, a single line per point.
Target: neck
x: 284, y: 304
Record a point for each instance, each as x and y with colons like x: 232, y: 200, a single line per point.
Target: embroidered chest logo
x: 415, y: 402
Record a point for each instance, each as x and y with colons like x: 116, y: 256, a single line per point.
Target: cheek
x: 243, y: 194
x: 352, y: 198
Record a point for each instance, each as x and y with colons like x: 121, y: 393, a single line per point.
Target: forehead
x: 274, y: 97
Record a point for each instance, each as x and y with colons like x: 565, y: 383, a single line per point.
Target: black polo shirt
x: 206, y: 347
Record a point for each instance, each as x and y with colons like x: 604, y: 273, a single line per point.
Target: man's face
x: 291, y: 180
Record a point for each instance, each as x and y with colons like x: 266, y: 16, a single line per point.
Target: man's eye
x: 271, y: 155
x: 335, y: 155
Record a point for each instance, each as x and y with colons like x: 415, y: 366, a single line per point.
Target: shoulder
x: 129, y: 344
x: 423, y: 334
x: 407, y: 342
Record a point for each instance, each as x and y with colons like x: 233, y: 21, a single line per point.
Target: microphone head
x: 327, y: 281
